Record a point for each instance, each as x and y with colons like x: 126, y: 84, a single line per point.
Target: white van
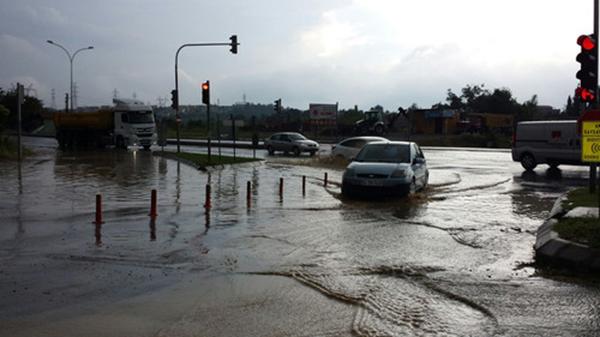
x: 547, y: 142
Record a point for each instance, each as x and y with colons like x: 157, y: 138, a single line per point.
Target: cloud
x: 332, y: 37
x: 42, y: 15
x: 15, y: 46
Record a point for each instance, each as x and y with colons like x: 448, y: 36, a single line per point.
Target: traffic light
x: 584, y: 95
x: 206, y: 93
x: 174, y: 100
x: 234, y: 44
x: 277, y: 105
x: 588, y: 74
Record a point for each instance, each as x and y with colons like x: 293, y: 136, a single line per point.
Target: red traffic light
x: 586, y: 42
x: 206, y: 92
x: 584, y: 94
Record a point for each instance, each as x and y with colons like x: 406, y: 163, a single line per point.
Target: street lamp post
x: 71, y: 58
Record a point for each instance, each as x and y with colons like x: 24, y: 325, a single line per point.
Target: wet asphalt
x: 454, y: 260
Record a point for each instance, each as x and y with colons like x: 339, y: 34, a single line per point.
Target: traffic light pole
x: 593, y: 168
x: 208, y: 128
x: 234, y: 44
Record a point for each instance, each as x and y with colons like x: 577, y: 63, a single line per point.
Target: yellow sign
x: 590, y: 142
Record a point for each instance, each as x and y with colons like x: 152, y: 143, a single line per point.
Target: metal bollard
x: 325, y: 180
x: 281, y: 187
x: 303, y: 185
x: 207, y: 204
x: 98, y: 210
x: 153, y: 212
x: 248, y: 194
x: 152, y: 229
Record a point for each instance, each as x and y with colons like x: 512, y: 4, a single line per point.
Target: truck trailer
x: 129, y: 122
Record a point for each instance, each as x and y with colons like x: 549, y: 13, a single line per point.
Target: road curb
x: 173, y: 156
x: 553, y: 250
x: 212, y: 168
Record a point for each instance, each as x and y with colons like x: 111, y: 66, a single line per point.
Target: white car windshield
x: 386, y: 153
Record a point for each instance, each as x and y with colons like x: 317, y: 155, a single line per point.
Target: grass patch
x: 581, y: 230
x: 202, y: 159
x: 580, y: 197
x: 8, y: 149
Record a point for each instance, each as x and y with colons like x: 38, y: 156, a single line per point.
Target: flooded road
x: 454, y: 260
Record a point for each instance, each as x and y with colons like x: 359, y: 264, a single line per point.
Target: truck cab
x: 134, y: 124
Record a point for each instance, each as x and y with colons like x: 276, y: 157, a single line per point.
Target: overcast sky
x: 363, y: 52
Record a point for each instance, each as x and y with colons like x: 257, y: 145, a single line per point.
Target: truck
x: 547, y: 142
x: 129, y: 122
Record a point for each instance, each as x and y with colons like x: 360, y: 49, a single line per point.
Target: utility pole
x: 53, y: 95
x: 19, y: 103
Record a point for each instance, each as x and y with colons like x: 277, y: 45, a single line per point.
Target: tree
x: 3, y: 117
x: 471, y: 93
x: 31, y: 110
x: 454, y: 101
x: 569, y: 106
x: 528, y: 109
x: 573, y: 106
x: 502, y: 102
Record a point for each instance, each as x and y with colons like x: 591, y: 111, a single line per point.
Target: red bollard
x: 281, y: 187
x: 207, y: 204
x: 303, y: 185
x: 325, y: 180
x: 153, y: 212
x: 248, y: 194
x: 98, y: 210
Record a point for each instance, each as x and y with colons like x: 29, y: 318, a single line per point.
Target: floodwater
x: 454, y: 260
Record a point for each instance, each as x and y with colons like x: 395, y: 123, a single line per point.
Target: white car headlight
x: 399, y: 174
x: 349, y: 173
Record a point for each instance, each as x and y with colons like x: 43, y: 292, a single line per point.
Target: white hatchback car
x: 386, y: 169
x: 349, y: 147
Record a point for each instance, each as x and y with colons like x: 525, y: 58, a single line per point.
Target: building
x: 435, y: 122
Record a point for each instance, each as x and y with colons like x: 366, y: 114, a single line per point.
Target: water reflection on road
x: 445, y: 261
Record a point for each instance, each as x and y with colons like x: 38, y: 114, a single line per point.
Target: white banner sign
x: 323, y: 111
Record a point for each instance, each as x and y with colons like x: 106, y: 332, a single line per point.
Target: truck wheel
x: 379, y: 130
x: 61, y: 140
x: 528, y: 162
x: 120, y: 143
x: 296, y: 151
